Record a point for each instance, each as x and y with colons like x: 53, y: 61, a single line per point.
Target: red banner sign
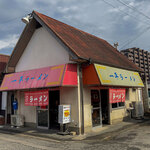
x: 36, y: 98
x: 116, y: 95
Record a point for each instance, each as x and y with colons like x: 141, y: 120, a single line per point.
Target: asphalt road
x: 136, y: 138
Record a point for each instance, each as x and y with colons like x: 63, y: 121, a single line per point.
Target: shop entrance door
x: 105, y: 105
x: 54, y: 101
x: 42, y: 117
x: 96, y: 108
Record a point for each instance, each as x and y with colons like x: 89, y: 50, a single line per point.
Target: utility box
x: 17, y: 120
x: 64, y: 114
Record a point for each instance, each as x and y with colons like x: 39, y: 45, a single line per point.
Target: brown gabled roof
x: 87, y: 46
x: 80, y: 45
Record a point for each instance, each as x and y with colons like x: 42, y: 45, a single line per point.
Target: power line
x: 137, y: 36
x: 134, y: 18
x: 125, y: 12
x: 141, y: 13
x: 133, y: 8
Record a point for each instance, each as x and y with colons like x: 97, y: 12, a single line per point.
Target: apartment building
x: 141, y: 58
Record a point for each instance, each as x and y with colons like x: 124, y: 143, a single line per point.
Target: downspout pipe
x: 81, y: 98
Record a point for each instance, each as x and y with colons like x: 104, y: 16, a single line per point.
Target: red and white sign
x: 36, y: 98
x: 117, y: 95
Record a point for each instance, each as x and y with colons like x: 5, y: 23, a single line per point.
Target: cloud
x: 9, y: 42
x: 97, y: 18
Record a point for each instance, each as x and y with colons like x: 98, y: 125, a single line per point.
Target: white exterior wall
x: 29, y: 112
x: 43, y: 50
x: 69, y: 96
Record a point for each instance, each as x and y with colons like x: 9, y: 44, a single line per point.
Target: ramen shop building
x: 56, y: 64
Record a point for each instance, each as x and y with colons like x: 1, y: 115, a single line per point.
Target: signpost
x: 64, y: 117
x: 64, y: 114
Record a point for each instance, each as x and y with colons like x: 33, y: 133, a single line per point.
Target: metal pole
x: 6, y: 109
x: 81, y: 99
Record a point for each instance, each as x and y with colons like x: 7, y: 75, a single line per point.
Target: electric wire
x: 137, y: 36
x: 141, y: 13
x: 133, y: 8
x: 110, y: 4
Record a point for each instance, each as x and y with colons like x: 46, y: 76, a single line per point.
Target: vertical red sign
x: 45, y: 98
x: 40, y: 98
x: 116, y: 95
x: 37, y: 98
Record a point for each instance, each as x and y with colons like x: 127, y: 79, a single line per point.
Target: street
x: 135, y: 138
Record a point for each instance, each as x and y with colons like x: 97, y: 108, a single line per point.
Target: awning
x: 104, y: 75
x: 60, y: 75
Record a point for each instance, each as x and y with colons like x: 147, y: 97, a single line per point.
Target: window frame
x: 118, y: 107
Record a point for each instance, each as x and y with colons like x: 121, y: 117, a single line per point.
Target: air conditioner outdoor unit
x: 17, y: 120
x: 138, y: 111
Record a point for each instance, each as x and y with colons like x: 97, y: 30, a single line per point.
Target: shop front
x: 108, y: 94
x: 39, y: 92
x: 103, y: 101
x: 112, y: 92
x: 46, y: 102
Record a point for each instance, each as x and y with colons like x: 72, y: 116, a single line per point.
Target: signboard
x: 36, y: 98
x: 116, y: 95
x: 64, y: 115
x: 43, y: 77
x: 116, y: 76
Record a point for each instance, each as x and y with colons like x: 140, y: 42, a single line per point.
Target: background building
x: 142, y: 59
x: 3, y: 62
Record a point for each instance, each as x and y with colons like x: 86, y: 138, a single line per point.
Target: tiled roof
x: 85, y: 45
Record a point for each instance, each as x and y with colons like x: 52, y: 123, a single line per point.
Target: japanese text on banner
x: 37, y: 98
x: 116, y: 95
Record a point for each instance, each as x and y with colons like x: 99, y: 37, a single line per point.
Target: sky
x: 124, y: 21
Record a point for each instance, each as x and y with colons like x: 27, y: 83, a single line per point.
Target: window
x: 121, y: 104
x: 118, y: 105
